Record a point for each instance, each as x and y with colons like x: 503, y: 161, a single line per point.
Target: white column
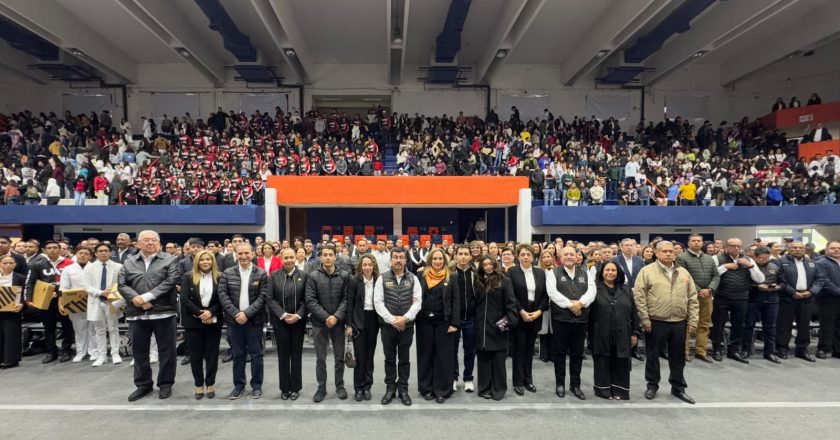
x: 398, y: 222
x: 272, y: 215
x: 523, y: 216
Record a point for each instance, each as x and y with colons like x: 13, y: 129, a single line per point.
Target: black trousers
x: 289, y: 342
x: 203, y: 346
x: 50, y: 318
x: 829, y: 309
x: 434, y: 358
x: 672, y: 335
x: 10, y: 338
x: 734, y: 311
x: 568, y: 340
x: 802, y: 312
x: 522, y: 350
x: 247, y: 340
x: 612, y: 376
x: 141, y: 335
x: 364, y: 345
x: 766, y: 313
x: 492, y: 373
x: 397, y: 344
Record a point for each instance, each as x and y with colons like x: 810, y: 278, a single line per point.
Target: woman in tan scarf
x: 437, y: 321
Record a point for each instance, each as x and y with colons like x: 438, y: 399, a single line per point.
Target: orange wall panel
x: 812, y: 149
x: 397, y: 190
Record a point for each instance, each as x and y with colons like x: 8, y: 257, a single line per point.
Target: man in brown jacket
x: 666, y: 299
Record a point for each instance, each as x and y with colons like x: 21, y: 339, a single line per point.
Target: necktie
x: 104, y: 282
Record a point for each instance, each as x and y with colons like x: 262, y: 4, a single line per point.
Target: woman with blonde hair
x: 201, y: 317
x: 437, y: 322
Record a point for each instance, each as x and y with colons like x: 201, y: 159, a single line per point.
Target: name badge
x: 563, y: 278
x: 389, y: 283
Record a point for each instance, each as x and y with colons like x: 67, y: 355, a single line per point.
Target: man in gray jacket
x: 147, y: 283
x: 326, y: 301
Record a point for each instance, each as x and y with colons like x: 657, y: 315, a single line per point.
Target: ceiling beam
x: 17, y: 62
x: 56, y: 24
x: 395, y: 49
x: 813, y: 30
x: 290, y: 38
x: 616, y: 27
x: 171, y: 26
x: 715, y: 28
x: 511, y: 26
x: 278, y: 35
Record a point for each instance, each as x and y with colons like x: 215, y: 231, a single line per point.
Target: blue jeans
x: 246, y: 340
x: 644, y: 202
x: 766, y: 312
x: 78, y: 198
x: 549, y: 196
x: 497, y: 161
x: 467, y: 329
x: 707, y: 202
x: 31, y: 202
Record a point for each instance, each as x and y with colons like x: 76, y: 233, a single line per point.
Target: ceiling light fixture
x: 501, y: 53
x: 602, y: 53
x: 397, y: 35
x: 289, y: 52
x: 700, y: 53
x: 76, y: 52
x: 183, y: 52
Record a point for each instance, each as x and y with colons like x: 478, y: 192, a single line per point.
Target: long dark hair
x: 491, y: 281
x: 359, y: 275
x: 619, y: 279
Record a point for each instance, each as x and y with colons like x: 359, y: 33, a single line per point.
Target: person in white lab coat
x: 101, y: 275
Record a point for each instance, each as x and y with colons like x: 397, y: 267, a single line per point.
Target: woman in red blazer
x: 269, y: 262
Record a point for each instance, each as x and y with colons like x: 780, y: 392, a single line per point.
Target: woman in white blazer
x: 73, y: 278
x: 103, y: 316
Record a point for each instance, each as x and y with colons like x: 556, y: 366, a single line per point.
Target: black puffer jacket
x: 326, y: 294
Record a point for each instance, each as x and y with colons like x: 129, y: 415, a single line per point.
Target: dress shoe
x: 256, y: 393
x: 227, y: 357
x: 746, y: 354
x: 560, y: 391
x: 49, y: 358
x: 199, y: 393
x: 366, y: 395
x: 341, y: 393
x: 782, y: 354
x: 576, y: 391
x: 405, y: 398
x: 469, y: 387
x: 78, y: 358
x: 358, y: 396
x: 821, y: 354
x: 519, y: 391
x: 165, y: 392
x: 440, y: 399
x: 717, y: 356
x: 428, y: 396
x: 185, y: 360
x: 704, y: 358
x: 236, y: 394
x: 388, y: 397
x: 7, y: 366
x: 772, y: 358
x: 138, y: 394
x: 211, y: 392
x: 116, y: 359
x: 806, y: 356
x: 530, y: 387
x: 285, y: 395
x: 294, y: 395
x: 682, y: 396
x: 319, y: 395
x: 485, y: 395
x: 65, y: 357
x: 737, y: 357
x: 650, y: 393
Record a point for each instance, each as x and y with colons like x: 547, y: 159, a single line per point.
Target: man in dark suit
x: 531, y: 301
x: 124, y: 249
x: 6, y: 249
x: 828, y: 302
x: 230, y: 259
x: 820, y: 134
x: 797, y: 301
x: 242, y: 292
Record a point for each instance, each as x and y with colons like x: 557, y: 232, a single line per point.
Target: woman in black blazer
x: 437, y: 322
x: 531, y: 300
x: 201, y: 316
x: 287, y: 312
x: 363, y: 323
x: 494, y: 301
x: 10, y: 331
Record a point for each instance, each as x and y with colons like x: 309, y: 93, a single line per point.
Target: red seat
x: 424, y: 239
x: 434, y: 230
x: 412, y: 230
x: 370, y: 230
x: 448, y: 238
x: 348, y: 230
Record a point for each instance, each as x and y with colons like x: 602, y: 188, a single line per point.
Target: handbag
x: 503, y: 324
x: 349, y: 358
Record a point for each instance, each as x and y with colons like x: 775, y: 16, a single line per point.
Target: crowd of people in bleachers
x: 227, y: 157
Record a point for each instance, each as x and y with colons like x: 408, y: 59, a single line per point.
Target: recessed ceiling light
x: 289, y: 52
x: 501, y: 53
x: 602, y: 53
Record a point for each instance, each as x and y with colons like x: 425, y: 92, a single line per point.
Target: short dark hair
x: 397, y: 250
x: 110, y: 248
x: 326, y: 247
x: 47, y: 243
x: 195, y: 240
x: 761, y: 250
x: 5, y: 237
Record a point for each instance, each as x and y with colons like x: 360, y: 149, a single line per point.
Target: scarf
x: 432, y: 278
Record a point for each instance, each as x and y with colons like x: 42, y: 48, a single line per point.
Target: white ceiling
x: 355, y: 31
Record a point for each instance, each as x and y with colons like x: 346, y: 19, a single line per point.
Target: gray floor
x: 761, y: 400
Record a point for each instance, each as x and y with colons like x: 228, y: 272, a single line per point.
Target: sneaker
x: 116, y: 359
x: 78, y: 358
x: 468, y: 386
x: 454, y: 385
x: 99, y: 361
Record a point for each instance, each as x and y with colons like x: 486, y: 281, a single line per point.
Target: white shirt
x: 383, y: 260
x: 379, y: 299
x: 369, y: 294
x: 755, y: 273
x: 6, y: 280
x: 530, y: 283
x: 244, y: 280
x: 205, y: 288
x: 629, y: 263
x: 801, y: 276
x: 558, y: 298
